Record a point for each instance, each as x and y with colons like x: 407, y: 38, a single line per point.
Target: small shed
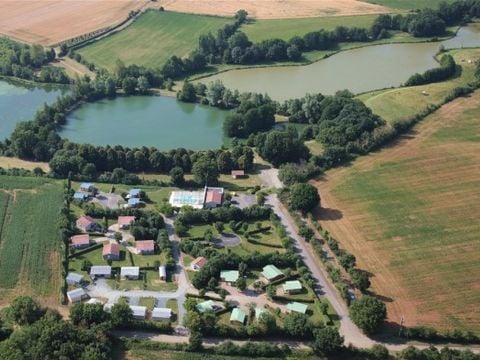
x: 238, y: 315
x: 124, y: 222
x: 139, y: 312
x: 129, y: 272
x: 74, y: 278
x: 161, y: 314
x: 100, y: 271
x: 292, y: 287
x: 271, y: 273
x: 162, y: 272
x: 229, y: 276
x: 198, y: 263
x: 80, y: 196
x: 238, y: 174
x: 297, y: 307
x: 76, y: 295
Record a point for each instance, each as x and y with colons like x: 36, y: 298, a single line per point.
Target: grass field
x: 410, y: 215
x: 152, y: 39
x: 402, y: 103
x: 29, y: 261
x: 285, y: 29
x: 409, y: 4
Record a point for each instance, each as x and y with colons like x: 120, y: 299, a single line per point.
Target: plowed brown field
x: 410, y: 215
x: 48, y: 22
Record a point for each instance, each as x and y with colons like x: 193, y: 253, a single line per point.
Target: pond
x: 19, y: 102
x: 136, y: 121
x: 359, y: 70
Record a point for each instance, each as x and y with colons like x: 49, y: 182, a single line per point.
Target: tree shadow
x: 328, y: 214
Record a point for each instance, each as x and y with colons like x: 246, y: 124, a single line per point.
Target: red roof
x: 125, y: 220
x: 111, y: 249
x: 84, y: 221
x: 214, y: 196
x: 145, y: 245
x: 238, y: 172
x: 199, y: 262
x: 80, y: 239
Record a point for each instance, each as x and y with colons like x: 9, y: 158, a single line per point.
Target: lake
x: 21, y: 102
x: 359, y: 70
x: 156, y: 121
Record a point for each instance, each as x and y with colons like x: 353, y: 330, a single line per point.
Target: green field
x: 410, y: 215
x: 402, y: 103
x: 152, y: 39
x: 29, y: 236
x: 285, y: 29
x: 409, y: 4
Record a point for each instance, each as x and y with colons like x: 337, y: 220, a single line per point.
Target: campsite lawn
x: 152, y: 39
x: 29, y: 237
x: 402, y: 103
x: 410, y: 215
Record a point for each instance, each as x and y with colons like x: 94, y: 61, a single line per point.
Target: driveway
x: 244, y: 200
x: 107, y: 200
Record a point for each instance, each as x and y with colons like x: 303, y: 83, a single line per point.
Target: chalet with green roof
x: 271, y: 273
x: 297, y: 307
x: 292, y: 287
x: 229, y: 276
x: 238, y: 315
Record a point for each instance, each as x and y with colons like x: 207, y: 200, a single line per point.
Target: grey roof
x: 162, y: 271
x: 100, y: 270
x: 138, y: 311
x: 74, y: 277
x: 76, y: 293
x: 129, y: 271
x: 161, y: 313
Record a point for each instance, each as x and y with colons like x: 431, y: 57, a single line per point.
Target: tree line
x: 27, y: 62
x: 447, y: 69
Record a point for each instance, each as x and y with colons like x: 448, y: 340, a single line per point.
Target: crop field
x: 275, y: 9
x: 410, y: 215
x: 409, y: 4
x: 48, y: 22
x: 29, y: 236
x: 402, y: 103
x: 152, y: 39
x: 285, y: 29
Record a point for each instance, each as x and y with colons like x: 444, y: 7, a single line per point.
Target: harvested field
x: 48, y: 22
x: 275, y: 9
x: 410, y: 215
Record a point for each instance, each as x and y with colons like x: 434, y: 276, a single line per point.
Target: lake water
x: 20, y: 102
x: 359, y: 70
x: 156, y: 121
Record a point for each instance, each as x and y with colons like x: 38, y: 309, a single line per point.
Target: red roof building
x: 80, y: 241
x: 238, y: 174
x: 213, y: 198
x: 111, y: 251
x: 124, y: 222
x: 198, y: 263
x: 145, y: 247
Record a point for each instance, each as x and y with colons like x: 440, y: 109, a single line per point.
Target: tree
x: 297, y: 325
x: 143, y: 85
x: 24, y: 310
x: 241, y: 283
x: 177, y: 176
x: 192, y: 321
x: 368, y: 313
x: 88, y: 314
x: 304, y: 197
x: 327, y: 341
x: 360, y: 280
x: 187, y: 94
x: 195, y: 341
x: 271, y: 291
x: 128, y: 85
x: 347, y: 261
x: 121, y: 314
x: 205, y: 171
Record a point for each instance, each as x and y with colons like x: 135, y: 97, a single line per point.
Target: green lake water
x: 156, y: 121
x: 21, y: 102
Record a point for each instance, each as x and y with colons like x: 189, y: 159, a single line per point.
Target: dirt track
x: 275, y: 9
x: 47, y: 22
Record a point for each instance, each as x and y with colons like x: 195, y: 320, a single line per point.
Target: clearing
x: 275, y: 9
x: 48, y: 22
x: 152, y: 39
x: 29, y: 237
x: 410, y: 214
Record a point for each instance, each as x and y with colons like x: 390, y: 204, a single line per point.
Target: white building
x: 76, y: 295
x: 162, y: 272
x: 100, y: 271
x: 129, y: 272
x: 160, y: 314
x: 74, y: 278
x: 139, y: 312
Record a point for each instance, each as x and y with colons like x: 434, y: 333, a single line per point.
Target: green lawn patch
x: 148, y: 302
x: 409, y: 4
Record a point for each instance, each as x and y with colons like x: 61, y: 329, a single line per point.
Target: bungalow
x: 271, y: 273
x: 74, y: 278
x: 237, y: 174
x: 213, y: 197
x: 207, y: 305
x: 145, y: 247
x: 238, y: 315
x: 76, y: 295
x: 124, y: 222
x: 129, y: 272
x: 88, y: 224
x: 198, y: 263
x: 229, y: 276
x: 297, y: 307
x: 80, y: 196
x: 134, y: 193
x: 139, y: 312
x: 111, y: 251
x: 88, y: 188
x: 133, y: 202
x: 292, y: 287
x: 80, y: 241
x: 100, y: 272
x: 162, y: 272
x: 161, y: 314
